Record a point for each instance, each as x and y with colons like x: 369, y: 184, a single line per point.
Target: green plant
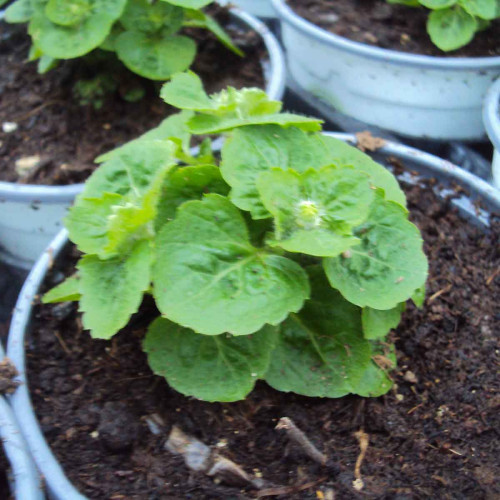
x: 142, y: 33
x: 288, y: 260
x: 453, y: 23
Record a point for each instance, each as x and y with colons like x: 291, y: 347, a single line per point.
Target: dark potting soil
x: 434, y: 435
x: 67, y: 136
x: 4, y: 483
x: 389, y: 26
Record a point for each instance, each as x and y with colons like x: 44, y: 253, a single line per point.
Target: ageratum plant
x: 144, y: 34
x: 452, y: 24
x: 287, y: 260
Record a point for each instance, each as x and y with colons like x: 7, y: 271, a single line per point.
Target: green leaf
x: 377, y: 324
x: 375, y: 380
x: 172, y: 127
x: 418, y: 296
x: 19, y: 12
x: 66, y: 42
x: 185, y: 91
x: 132, y: 167
x: 198, y: 19
x: 438, y: 4
x: 67, y: 291
x: 250, y: 151
x: 130, y: 221
x: 409, y: 3
x: 118, y: 203
x: 451, y: 28
x: 209, y: 277
x: 153, y: 56
x: 228, y: 109
x: 387, y: 266
x: 67, y: 12
x: 484, y: 9
x: 190, y: 4
x: 46, y: 63
x: 87, y: 221
x: 112, y: 289
x: 210, y: 368
x: 343, y: 154
x: 315, y: 212
x: 188, y: 183
x: 147, y: 17
x: 109, y: 42
x: 208, y: 124
x: 321, y: 351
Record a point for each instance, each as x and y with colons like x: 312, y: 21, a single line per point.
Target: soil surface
x: 4, y: 483
x: 434, y: 435
x: 396, y: 27
x: 57, y: 139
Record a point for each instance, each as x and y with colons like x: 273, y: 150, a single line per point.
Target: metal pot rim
x: 491, y: 113
x: 285, y: 13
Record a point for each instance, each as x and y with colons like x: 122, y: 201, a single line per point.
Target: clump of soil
x: 7, y: 374
x: 389, y: 26
x: 434, y: 435
x: 4, y: 483
x: 57, y: 139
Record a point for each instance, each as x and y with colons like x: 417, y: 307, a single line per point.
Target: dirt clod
x: 118, y: 428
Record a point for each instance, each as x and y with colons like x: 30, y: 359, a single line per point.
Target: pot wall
x: 25, y: 480
x: 30, y: 215
x: 259, y: 8
x: 491, y: 117
x: 417, y: 96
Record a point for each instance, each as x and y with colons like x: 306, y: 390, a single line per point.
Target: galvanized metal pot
x: 25, y: 480
x: 31, y: 215
x: 58, y: 484
x: 491, y: 117
x: 412, y: 95
x: 258, y: 8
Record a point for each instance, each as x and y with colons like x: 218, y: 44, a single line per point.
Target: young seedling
x: 144, y: 34
x: 452, y: 24
x: 287, y: 260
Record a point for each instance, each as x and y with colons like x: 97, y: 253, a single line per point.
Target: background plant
x: 453, y: 23
x: 144, y: 34
x: 289, y: 259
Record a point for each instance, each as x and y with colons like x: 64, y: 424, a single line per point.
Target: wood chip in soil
x: 434, y: 435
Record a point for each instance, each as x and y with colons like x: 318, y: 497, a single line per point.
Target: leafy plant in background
x: 288, y: 260
x: 144, y: 34
x: 453, y: 23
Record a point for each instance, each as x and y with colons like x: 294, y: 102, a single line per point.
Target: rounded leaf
x: 321, y: 351
x: 66, y: 42
x: 451, y: 28
x: 387, y: 266
x: 209, y: 277
x: 67, y: 12
x: 155, y: 57
x: 210, y: 368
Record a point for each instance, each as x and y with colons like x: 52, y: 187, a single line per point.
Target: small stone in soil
x: 118, y: 428
x: 8, y: 127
